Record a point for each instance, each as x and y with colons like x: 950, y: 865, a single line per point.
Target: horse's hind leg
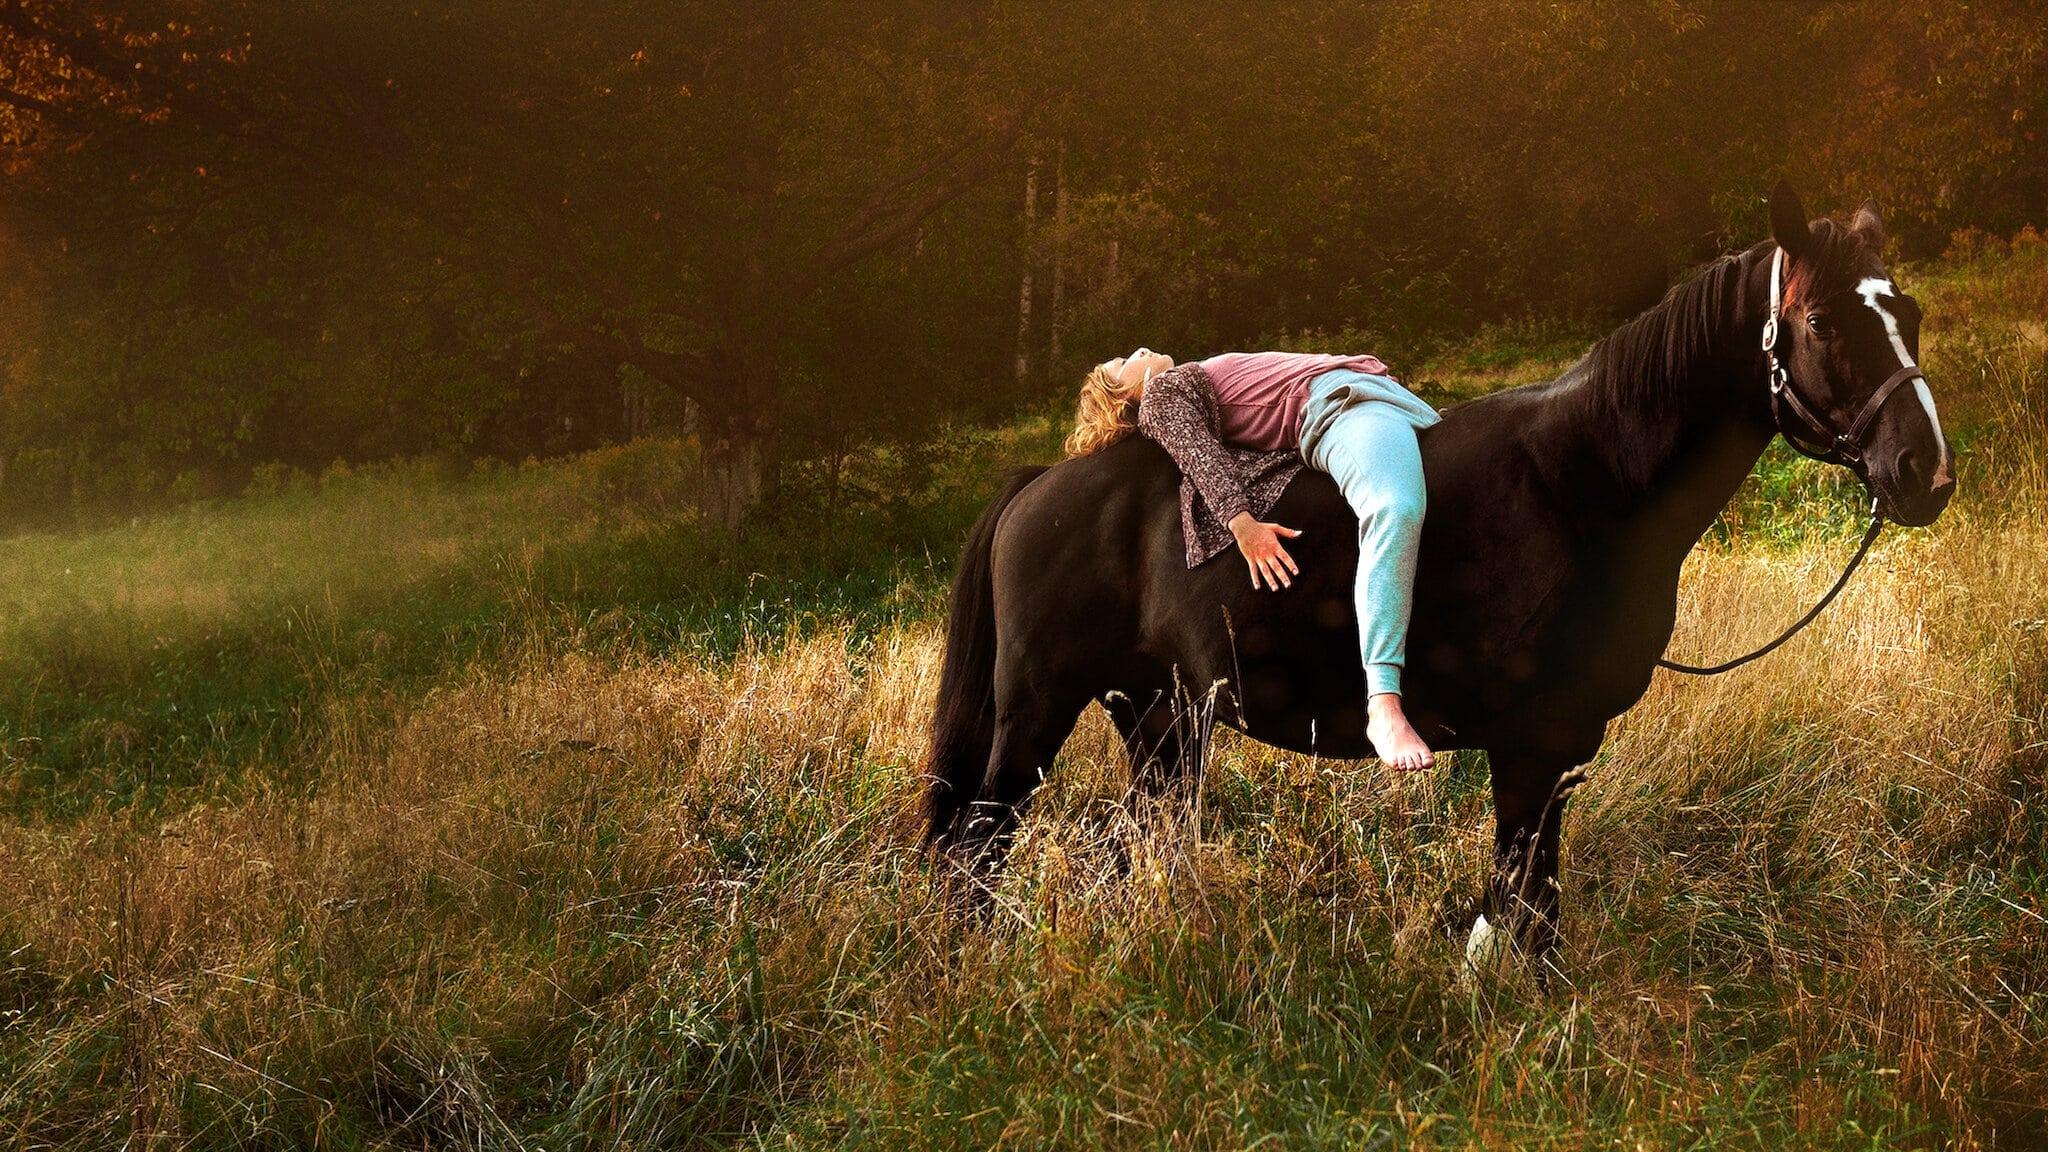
x: 1151, y: 738
x: 1031, y: 725
x: 1164, y: 741
x: 1164, y: 738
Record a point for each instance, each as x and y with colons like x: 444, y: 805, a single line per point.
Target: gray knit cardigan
x: 1218, y: 480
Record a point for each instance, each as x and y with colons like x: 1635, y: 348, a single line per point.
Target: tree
x: 238, y: 231
x: 595, y: 193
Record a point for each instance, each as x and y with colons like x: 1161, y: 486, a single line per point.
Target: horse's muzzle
x: 1918, y: 511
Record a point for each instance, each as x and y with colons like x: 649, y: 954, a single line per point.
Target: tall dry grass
x: 592, y: 897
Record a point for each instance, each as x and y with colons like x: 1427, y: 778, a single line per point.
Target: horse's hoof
x: 1483, y: 944
x: 1484, y: 948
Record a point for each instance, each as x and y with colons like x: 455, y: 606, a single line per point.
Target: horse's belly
x: 1314, y: 703
x: 1303, y: 689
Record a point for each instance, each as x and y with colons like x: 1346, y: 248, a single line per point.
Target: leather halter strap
x: 1846, y: 449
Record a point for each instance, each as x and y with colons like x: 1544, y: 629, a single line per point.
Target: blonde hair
x: 1108, y: 412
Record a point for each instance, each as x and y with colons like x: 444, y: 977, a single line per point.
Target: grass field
x: 515, y: 810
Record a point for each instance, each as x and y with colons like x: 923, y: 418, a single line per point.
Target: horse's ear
x: 1869, y: 225
x: 1788, y: 220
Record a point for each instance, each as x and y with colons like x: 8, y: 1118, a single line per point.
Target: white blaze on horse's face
x: 1870, y: 289
x: 1873, y: 289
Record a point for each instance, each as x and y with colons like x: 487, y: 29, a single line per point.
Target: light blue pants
x: 1360, y: 429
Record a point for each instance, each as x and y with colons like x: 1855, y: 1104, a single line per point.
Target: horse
x: 1559, y: 516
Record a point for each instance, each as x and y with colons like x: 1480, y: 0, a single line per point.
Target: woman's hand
x: 1263, y: 552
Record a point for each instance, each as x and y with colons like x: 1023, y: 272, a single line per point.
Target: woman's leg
x: 1370, y: 450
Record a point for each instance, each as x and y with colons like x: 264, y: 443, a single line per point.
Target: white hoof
x: 1482, y: 946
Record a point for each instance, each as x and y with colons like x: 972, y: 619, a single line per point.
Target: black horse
x: 1559, y: 516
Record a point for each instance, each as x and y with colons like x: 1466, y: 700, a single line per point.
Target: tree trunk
x: 735, y: 470
x: 632, y: 406
x: 741, y: 440
x: 1024, y: 281
x: 1059, y: 262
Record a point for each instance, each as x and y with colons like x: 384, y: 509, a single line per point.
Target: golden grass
x: 540, y: 856
x: 577, y: 899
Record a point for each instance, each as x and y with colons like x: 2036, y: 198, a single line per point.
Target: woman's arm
x: 1179, y: 413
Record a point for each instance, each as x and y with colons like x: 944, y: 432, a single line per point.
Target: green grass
x: 179, y: 656
x: 517, y: 810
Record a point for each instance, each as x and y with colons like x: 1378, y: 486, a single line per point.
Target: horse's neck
x: 1675, y: 451
x: 1702, y: 477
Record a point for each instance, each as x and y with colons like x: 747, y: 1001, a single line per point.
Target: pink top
x: 1259, y: 394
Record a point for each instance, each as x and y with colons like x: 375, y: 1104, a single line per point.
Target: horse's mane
x: 1637, y: 376
x: 1641, y: 366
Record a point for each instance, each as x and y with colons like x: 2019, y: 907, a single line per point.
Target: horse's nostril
x: 1913, y: 477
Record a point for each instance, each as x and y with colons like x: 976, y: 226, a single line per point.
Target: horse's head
x: 1844, y: 351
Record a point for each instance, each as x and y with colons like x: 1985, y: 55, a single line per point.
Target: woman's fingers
x: 1271, y: 567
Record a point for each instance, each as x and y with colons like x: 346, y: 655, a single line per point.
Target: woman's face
x: 1134, y: 370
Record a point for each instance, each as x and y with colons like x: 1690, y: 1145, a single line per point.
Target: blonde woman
x: 1240, y: 425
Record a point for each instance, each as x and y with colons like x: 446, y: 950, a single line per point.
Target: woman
x: 1239, y: 426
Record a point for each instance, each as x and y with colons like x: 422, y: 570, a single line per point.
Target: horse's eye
x: 1821, y: 324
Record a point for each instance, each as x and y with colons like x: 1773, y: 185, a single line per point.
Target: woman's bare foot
x: 1393, y: 738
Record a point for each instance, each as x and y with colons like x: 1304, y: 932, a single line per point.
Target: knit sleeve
x: 1179, y: 413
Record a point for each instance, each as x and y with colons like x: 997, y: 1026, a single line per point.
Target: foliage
x: 239, y: 233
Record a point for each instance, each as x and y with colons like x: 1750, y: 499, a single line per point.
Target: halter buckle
x: 1771, y: 329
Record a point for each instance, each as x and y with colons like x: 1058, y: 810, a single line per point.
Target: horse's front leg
x: 1521, y: 906
x: 1166, y: 738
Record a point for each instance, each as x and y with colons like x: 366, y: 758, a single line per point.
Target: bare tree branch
x: 886, y: 221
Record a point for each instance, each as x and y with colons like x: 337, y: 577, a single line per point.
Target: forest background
x: 243, y: 241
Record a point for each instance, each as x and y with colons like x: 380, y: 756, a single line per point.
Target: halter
x: 1844, y: 448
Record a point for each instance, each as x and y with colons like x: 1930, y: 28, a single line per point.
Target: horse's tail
x: 964, y: 721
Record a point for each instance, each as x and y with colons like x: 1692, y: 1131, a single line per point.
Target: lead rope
x: 1781, y: 385
x: 1862, y: 550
